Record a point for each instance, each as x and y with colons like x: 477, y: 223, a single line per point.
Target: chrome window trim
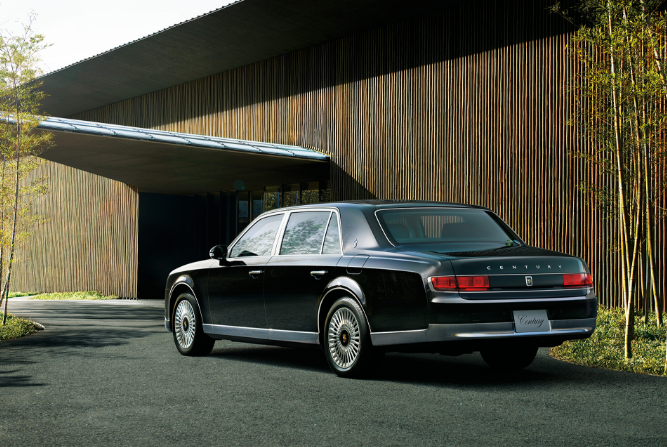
x: 431, y: 207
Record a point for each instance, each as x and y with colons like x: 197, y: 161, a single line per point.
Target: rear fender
x: 337, y: 288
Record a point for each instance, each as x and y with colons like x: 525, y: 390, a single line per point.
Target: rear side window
x: 259, y: 239
x: 433, y: 225
x: 332, y: 239
x: 304, y: 233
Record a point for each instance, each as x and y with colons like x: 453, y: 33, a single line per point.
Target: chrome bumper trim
x: 398, y: 338
x: 480, y: 331
x: 262, y: 334
x: 442, y: 300
x: 167, y: 325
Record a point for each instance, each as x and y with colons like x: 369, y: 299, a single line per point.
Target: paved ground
x: 105, y: 373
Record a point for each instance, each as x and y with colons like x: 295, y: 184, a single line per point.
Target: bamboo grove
x: 620, y: 107
x: 20, y: 144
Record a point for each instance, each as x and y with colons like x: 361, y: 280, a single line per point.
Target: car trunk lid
x: 519, y: 267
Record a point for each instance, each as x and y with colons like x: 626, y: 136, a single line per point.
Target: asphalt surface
x: 107, y: 373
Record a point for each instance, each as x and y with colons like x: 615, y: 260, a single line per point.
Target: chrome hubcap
x: 184, y: 324
x: 344, y: 338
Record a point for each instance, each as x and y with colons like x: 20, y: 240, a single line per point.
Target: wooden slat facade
x: 89, y: 241
x: 467, y: 105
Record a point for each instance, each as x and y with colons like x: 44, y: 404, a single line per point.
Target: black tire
x: 347, y: 341
x: 510, y: 358
x: 188, y: 331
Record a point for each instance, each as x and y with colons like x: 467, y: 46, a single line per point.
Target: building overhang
x: 177, y: 163
x: 236, y: 35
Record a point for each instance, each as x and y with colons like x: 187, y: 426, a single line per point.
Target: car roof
x: 376, y: 203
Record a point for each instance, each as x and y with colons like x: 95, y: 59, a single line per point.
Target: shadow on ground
x: 433, y: 369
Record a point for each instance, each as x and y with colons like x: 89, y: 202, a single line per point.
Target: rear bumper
x: 167, y: 325
x: 559, y: 330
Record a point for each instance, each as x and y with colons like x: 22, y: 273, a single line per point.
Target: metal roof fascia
x: 136, y: 133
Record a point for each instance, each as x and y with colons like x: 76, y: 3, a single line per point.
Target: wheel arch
x: 339, y: 288
x: 179, y: 287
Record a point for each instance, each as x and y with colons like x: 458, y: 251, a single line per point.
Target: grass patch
x: 91, y: 295
x: 605, y: 348
x: 15, y: 327
x: 19, y: 294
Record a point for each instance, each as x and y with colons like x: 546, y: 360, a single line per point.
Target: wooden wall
x: 89, y: 241
x: 467, y: 105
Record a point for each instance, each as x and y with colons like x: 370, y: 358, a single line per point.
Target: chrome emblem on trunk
x: 529, y: 281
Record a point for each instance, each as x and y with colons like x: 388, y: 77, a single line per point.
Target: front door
x: 236, y: 288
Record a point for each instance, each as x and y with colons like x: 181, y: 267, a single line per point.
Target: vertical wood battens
x: 469, y: 104
x: 89, y: 241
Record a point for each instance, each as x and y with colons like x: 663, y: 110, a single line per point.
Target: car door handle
x: 255, y: 272
x: 317, y: 273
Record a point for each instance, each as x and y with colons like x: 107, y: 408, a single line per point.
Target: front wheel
x: 509, y: 358
x: 189, y: 334
x: 347, y: 340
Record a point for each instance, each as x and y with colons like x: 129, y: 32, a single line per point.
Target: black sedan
x: 366, y: 277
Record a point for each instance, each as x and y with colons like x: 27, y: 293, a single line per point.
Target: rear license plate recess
x: 531, y: 321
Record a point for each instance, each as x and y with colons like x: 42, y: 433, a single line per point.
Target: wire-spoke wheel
x: 185, y: 324
x: 344, y: 337
x: 189, y: 336
x: 347, y: 340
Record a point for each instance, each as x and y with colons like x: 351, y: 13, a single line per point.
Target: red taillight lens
x: 577, y: 280
x: 444, y: 282
x: 471, y: 283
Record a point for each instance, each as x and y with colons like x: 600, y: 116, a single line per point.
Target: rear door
x: 297, y: 275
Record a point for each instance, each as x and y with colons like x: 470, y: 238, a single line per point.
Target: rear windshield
x: 433, y: 225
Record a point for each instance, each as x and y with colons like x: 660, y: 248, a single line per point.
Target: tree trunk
x: 2, y: 226
x: 623, y: 218
x: 649, y: 234
x: 16, y: 206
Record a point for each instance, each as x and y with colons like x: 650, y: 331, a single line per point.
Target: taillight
x: 577, y: 280
x: 472, y: 283
x: 463, y: 283
x: 444, y: 282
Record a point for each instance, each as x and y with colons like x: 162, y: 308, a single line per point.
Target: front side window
x: 259, y: 239
x: 434, y: 225
x: 304, y: 233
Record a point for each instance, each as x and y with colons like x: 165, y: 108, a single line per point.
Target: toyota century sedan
x: 362, y: 278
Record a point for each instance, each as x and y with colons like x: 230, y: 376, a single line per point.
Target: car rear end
x: 540, y: 296
x: 490, y: 287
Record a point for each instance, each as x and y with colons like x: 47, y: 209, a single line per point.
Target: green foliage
x: 16, y: 327
x: 20, y: 294
x: 636, y: 81
x: 91, y: 295
x: 604, y: 349
x: 21, y: 142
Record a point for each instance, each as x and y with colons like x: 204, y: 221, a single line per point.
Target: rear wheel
x: 347, y: 341
x: 188, y: 331
x: 509, y: 358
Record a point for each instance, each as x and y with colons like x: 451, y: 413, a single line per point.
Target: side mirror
x: 218, y: 252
